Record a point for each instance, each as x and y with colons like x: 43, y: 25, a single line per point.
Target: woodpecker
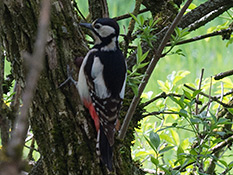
x: 101, y: 83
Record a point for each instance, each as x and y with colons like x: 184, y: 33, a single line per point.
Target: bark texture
x: 62, y: 128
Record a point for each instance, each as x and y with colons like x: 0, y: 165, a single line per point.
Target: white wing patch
x: 122, y: 93
x: 82, y: 82
x: 97, y: 74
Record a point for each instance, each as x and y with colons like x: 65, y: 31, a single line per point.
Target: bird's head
x: 106, y: 32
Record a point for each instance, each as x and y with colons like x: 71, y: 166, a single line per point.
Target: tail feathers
x: 104, y: 150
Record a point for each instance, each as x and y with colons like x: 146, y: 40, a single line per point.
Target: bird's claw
x: 70, y: 78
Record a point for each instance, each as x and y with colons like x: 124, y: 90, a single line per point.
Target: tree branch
x: 15, y: 147
x: 199, y: 87
x: 223, y: 75
x: 205, y: 12
x: 222, y: 144
x: 4, y: 126
x: 2, y: 64
x: 197, y: 38
x: 209, y: 17
x: 36, y: 65
x: 98, y: 9
x: 76, y: 7
x: 153, y: 63
x: 118, y: 18
x: 160, y: 112
x: 128, y: 38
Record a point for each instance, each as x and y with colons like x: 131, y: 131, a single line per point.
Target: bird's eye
x: 97, y: 26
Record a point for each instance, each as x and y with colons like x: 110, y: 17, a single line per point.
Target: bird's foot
x: 70, y: 78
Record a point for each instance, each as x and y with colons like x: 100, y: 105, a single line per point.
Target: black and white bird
x: 101, y: 83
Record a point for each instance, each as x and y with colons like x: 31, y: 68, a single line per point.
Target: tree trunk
x: 63, y: 129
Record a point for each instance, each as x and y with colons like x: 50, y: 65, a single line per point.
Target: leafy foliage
x: 145, y: 29
x: 134, y: 77
x: 179, y: 140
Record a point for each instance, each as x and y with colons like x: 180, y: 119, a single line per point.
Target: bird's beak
x: 87, y: 25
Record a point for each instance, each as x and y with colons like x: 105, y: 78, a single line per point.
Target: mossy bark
x: 62, y: 128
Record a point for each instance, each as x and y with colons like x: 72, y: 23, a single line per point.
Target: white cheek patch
x: 105, y: 31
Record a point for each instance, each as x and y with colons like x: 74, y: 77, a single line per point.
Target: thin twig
x: 80, y: 13
x: 160, y: 112
x: 221, y: 98
x: 199, y: 87
x: 212, y: 98
x: 132, y: 22
x: 16, y: 143
x: 161, y: 95
x: 200, y: 13
x: 222, y: 144
x: 153, y: 63
x: 209, y: 17
x: 118, y: 18
x: 197, y: 38
x: 105, y: 12
x: 223, y: 75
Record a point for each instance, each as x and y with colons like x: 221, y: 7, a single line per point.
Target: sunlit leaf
x: 180, y: 156
x: 134, y: 17
x: 175, y: 137
x: 187, y: 94
x: 167, y: 148
x: 155, y: 140
x: 154, y: 160
x: 196, y: 92
x: 183, y: 113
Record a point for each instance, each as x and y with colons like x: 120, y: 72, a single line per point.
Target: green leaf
x: 175, y: 137
x: 230, y: 110
x: 223, y: 162
x: 151, y: 145
x: 230, y: 41
x: 154, y: 160
x: 179, y: 102
x: 196, y: 92
x: 221, y: 133
x: 142, y: 65
x: 180, y: 52
x: 162, y: 85
x: 167, y: 138
x: 187, y: 94
x: 223, y: 121
x: 155, y: 140
x: 134, y: 17
x: 167, y: 148
x: 141, y: 153
x: 195, y: 120
x: 135, y: 90
x: 230, y: 164
x: 180, y: 155
x: 139, y: 52
x: 183, y: 113
x: 143, y: 57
